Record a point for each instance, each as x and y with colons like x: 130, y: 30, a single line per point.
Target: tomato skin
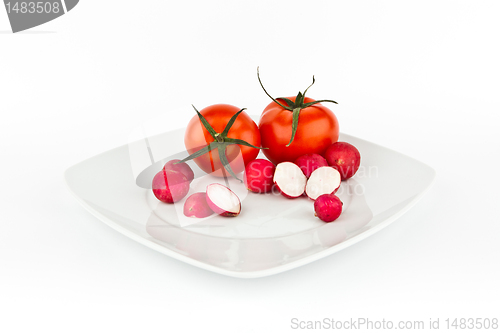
x: 218, y: 115
x: 317, y: 129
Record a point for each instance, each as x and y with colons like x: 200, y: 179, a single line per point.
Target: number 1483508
x: 472, y: 323
x: 33, y: 7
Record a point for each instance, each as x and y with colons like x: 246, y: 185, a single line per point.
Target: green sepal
x: 225, y: 162
x: 275, y: 101
x: 231, y: 122
x: 295, y: 123
x: 241, y: 142
x: 288, y: 101
x: 318, y: 101
x: 205, y: 123
x: 305, y: 91
x: 200, y: 152
x: 299, y: 100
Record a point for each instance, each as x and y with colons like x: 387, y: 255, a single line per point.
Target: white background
x: 422, y: 78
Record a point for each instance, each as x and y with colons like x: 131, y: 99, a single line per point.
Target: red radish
x: 323, y: 180
x: 258, y: 176
x: 344, y: 157
x: 181, y: 167
x: 310, y: 162
x: 196, y: 206
x: 222, y: 200
x: 328, y: 207
x: 290, y: 180
x: 170, y: 186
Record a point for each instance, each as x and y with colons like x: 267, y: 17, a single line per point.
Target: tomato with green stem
x: 222, y: 139
x: 294, y: 126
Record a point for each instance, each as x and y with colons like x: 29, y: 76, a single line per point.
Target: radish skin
x: 259, y: 175
x: 328, y: 207
x: 183, y: 168
x: 170, y: 186
x: 344, y: 157
x: 310, y: 162
x: 196, y: 206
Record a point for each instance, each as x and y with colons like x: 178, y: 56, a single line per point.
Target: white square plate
x: 271, y: 235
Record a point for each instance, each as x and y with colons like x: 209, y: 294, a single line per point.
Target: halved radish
x: 222, y: 200
x: 170, y: 186
x: 196, y: 206
x: 323, y: 180
x: 289, y: 179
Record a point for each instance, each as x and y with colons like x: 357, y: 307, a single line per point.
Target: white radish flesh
x: 324, y: 180
x: 222, y: 200
x: 290, y: 179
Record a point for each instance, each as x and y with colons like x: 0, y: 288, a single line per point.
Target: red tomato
x: 244, y: 128
x: 317, y: 129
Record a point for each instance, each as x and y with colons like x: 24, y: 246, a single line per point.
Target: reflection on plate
x: 263, y: 236
x: 271, y: 235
